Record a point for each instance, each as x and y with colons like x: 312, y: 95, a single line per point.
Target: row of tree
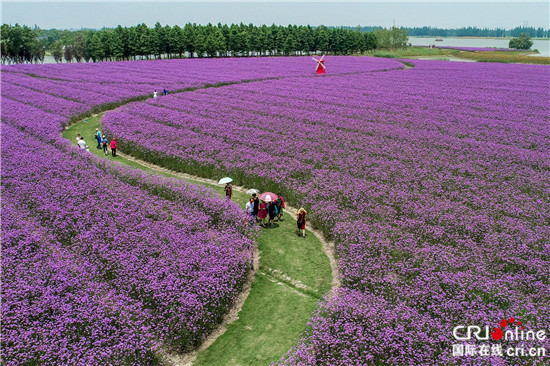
x: 192, y: 40
x: 20, y: 44
x: 478, y: 32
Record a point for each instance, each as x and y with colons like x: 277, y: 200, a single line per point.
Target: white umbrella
x: 225, y: 180
x: 252, y: 191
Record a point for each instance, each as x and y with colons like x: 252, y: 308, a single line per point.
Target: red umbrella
x: 268, y: 197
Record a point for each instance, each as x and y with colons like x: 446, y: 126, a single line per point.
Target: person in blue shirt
x: 98, y: 138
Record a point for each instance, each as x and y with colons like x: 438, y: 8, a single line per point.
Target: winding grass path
x: 291, y: 275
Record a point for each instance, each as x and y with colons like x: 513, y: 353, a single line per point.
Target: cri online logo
x: 497, y: 333
x: 517, y: 333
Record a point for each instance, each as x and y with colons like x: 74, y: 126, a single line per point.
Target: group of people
x: 265, y: 213
x: 102, y: 142
x: 259, y: 210
x: 155, y: 94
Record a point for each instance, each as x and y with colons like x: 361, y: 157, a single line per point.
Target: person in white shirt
x: 82, y: 143
x: 250, y: 209
x: 155, y: 94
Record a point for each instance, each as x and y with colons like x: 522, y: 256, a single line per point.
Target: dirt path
x: 328, y: 248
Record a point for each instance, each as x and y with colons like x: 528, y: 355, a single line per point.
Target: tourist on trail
x: 250, y: 210
x: 262, y: 213
x: 98, y: 138
x: 113, y: 147
x: 301, y: 222
x: 105, y: 144
x: 155, y: 95
x: 228, y: 190
x: 280, y: 205
x: 165, y: 92
x: 256, y: 205
x: 272, y: 211
x: 82, y: 143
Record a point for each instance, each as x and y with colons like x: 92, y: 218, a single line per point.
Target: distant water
x: 542, y: 45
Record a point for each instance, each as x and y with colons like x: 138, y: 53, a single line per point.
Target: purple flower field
x: 433, y: 181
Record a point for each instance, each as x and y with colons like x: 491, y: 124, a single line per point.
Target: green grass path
x: 294, y: 273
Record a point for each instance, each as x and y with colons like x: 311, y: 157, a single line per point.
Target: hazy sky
x: 445, y: 14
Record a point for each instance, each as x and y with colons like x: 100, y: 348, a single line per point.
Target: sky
x: 444, y: 14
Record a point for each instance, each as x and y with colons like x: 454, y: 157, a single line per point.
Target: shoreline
x: 472, y: 37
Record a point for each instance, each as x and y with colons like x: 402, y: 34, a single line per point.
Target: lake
x: 543, y: 45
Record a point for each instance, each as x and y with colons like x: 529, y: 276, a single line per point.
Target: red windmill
x: 321, y: 68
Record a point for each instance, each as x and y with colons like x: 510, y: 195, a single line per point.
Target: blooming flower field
x: 432, y: 180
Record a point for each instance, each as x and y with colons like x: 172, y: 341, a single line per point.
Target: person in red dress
x: 262, y: 213
x: 301, y: 222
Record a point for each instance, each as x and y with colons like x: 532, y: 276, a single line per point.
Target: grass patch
x: 413, y: 52
x: 268, y: 324
x: 274, y: 314
x: 480, y: 56
x: 505, y: 57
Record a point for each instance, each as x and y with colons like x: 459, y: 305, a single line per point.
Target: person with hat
x: 105, y: 143
x: 98, y: 138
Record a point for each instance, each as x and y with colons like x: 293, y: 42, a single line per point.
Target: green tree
x: 177, y: 41
x: 290, y: 44
x: 215, y: 43
x: 68, y: 54
x: 79, y: 47
x: 189, y: 34
x: 56, y: 51
x: 522, y: 42
x: 322, y: 39
x: 370, y: 41
x: 96, y: 50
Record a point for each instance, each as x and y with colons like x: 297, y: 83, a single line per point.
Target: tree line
x: 478, y: 32
x: 191, y: 40
x: 20, y: 44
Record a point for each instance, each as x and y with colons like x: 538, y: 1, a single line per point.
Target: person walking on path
x: 272, y: 211
x: 105, y: 144
x: 98, y: 138
x: 262, y: 213
x: 256, y: 205
x: 280, y: 205
x: 155, y: 95
x: 81, y: 143
x: 165, y: 92
x: 250, y: 210
x: 228, y: 191
x: 113, y: 147
x: 301, y: 221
